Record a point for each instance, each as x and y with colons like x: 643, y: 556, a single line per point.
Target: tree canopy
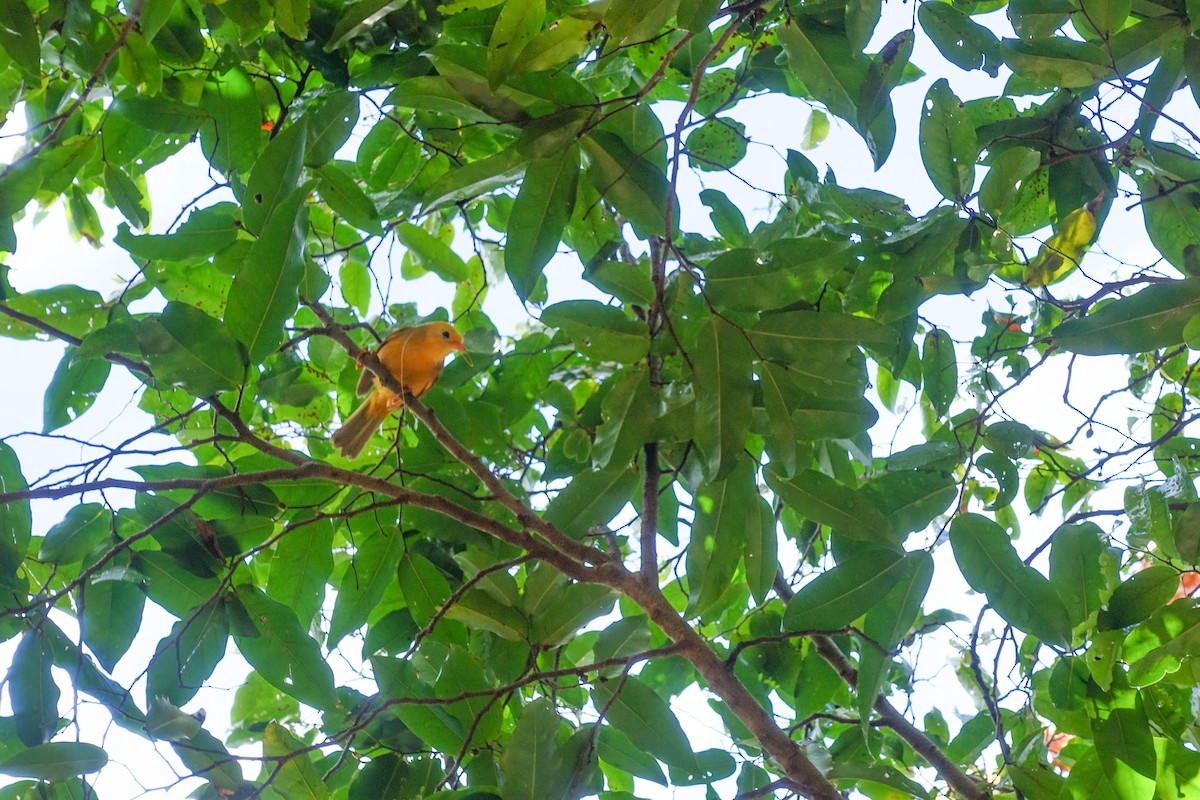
x: 682, y: 489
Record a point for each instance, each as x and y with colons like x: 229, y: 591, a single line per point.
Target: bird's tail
x: 360, y: 426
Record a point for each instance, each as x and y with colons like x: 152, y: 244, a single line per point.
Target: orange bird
x: 415, y: 357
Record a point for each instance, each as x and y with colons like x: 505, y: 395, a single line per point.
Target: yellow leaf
x: 1060, y: 254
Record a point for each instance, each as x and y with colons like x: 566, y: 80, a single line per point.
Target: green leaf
x: 575, y: 606
x: 1105, y: 16
x: 398, y: 681
x: 939, y: 370
x: 1018, y: 593
x: 55, y: 761
x: 910, y: 499
x: 479, y: 610
x: 636, y: 187
x: 630, y: 21
x: 948, y: 145
x: 1075, y: 569
x: 19, y: 38
x: 1138, y: 597
x: 1005, y: 473
x: 282, y: 652
x: 372, y: 569
x: 296, y: 777
x: 761, y: 557
x: 858, y: 773
x: 291, y: 16
x: 840, y: 595
x: 73, y: 389
x: 518, y: 23
x: 32, y: 692
x: 743, y: 280
x: 231, y: 140
x: 300, y: 566
x: 1152, y: 318
x: 432, y: 253
x: 170, y: 586
x: 615, y: 748
x: 792, y: 336
x: 816, y: 58
x: 603, y: 332
x: 186, y: 347
x: 1039, y: 19
x: 628, y: 412
x: 887, y: 624
x: 476, y: 178
x: 275, y: 176
x: 629, y: 283
x: 1058, y: 62
x: 724, y: 383
x: 1162, y: 644
x: 264, y: 293
x: 186, y: 657
x: 591, y: 498
x: 423, y: 586
x: 820, y: 498
x: 637, y: 711
x: 726, y: 517
x: 82, y: 528
x: 962, y: 41
x: 727, y: 218
x: 207, y: 231
x: 330, y: 120
x: 345, y: 197
x: 111, y: 618
x: 16, y: 521
x: 127, y: 197
x: 1169, y: 207
x: 532, y: 763
x: 1125, y: 746
x: 717, y: 145
x: 543, y: 206
x: 356, y: 18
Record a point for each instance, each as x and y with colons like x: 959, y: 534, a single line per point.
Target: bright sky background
x: 47, y: 256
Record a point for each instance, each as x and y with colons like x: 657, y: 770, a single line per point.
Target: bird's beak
x: 460, y: 347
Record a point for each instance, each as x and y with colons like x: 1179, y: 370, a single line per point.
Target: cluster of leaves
x: 588, y: 524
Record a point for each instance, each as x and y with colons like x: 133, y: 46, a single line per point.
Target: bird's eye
x: 445, y: 334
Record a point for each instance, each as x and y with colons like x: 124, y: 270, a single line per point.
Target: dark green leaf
x: 372, y: 569
x: 723, y: 379
x: 1152, y: 318
x: 635, y: 187
x: 55, y: 761
x: 822, y: 499
x: 717, y: 145
x: 275, y: 176
x: 591, y: 498
x: 948, y: 146
x: 840, y: 595
x: 1138, y: 597
x: 82, y: 528
x: 628, y: 412
x: 32, y: 692
x: 1075, y: 569
x: 887, y: 624
x: 939, y: 370
x: 1018, y: 593
x: 282, y: 652
x: 186, y: 657
x: 539, y: 215
x: 207, y: 231
x: 726, y: 518
x: 604, y: 332
x: 264, y: 293
x: 73, y: 388
x: 186, y: 347
x: 633, y: 708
